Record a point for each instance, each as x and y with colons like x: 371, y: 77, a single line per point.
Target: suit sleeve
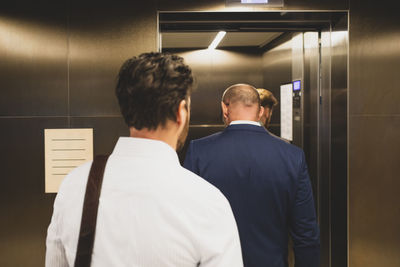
x: 303, y: 223
x: 189, y: 162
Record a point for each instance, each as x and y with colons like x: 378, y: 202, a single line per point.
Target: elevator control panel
x: 297, y: 100
x: 292, y: 112
x: 297, y: 113
x: 297, y: 94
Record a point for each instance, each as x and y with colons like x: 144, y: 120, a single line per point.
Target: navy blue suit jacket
x: 267, y: 184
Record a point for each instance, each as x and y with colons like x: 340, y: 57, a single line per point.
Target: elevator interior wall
x: 306, y: 46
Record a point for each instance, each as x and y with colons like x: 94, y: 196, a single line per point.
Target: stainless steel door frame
x: 325, y: 112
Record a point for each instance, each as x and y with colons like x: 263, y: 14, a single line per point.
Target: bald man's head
x: 241, y: 102
x: 243, y: 94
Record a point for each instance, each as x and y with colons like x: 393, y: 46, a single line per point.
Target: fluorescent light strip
x: 254, y: 1
x: 217, y: 40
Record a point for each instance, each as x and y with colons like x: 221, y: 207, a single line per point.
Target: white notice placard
x: 287, y: 111
x: 65, y: 149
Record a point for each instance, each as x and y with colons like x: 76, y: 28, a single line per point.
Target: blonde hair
x: 267, y: 98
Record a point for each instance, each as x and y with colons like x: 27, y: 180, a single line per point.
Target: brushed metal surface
x: 311, y: 107
x: 102, y: 37
x: 25, y: 209
x: 298, y: 74
x: 33, y: 52
x: 374, y: 232
x: 324, y: 143
x: 324, y: 150
x: 339, y: 167
x: 375, y: 57
x: 106, y: 131
x: 35, y: 80
x: 374, y: 130
x: 277, y: 70
x: 217, y: 5
x: 215, y: 71
x: 333, y: 144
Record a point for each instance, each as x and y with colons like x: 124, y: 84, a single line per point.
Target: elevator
x: 302, y: 58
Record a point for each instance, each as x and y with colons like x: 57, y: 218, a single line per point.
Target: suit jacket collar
x: 247, y: 127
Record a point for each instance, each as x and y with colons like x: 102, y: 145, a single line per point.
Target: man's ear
x: 183, y: 112
x: 260, y: 112
x: 224, y: 110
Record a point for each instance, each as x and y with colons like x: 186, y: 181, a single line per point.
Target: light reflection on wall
x: 384, y: 44
x: 214, y: 71
x: 338, y: 37
x: 281, y: 53
x: 222, y: 58
x: 28, y: 39
x: 34, y: 40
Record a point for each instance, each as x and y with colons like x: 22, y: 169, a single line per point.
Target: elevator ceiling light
x: 254, y: 1
x: 217, y: 40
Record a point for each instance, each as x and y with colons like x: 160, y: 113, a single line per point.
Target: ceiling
x: 196, y: 30
x: 204, y: 39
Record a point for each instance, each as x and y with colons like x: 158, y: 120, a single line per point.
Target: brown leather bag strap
x: 89, y: 212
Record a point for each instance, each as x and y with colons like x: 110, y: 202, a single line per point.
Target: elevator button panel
x: 296, y: 94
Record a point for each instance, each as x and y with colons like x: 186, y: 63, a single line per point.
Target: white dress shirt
x: 245, y: 122
x: 152, y: 212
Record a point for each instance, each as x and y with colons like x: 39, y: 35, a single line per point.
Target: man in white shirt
x: 152, y: 211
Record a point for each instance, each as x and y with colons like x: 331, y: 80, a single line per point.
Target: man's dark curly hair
x: 150, y: 88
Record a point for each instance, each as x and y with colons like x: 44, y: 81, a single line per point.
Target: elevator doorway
x: 268, y: 50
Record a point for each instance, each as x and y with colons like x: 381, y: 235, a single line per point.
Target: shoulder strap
x: 89, y: 213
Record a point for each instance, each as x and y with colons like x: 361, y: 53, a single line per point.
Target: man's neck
x: 165, y: 134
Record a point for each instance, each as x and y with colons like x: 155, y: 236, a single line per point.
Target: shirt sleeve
x: 221, y: 243
x: 303, y: 223
x: 55, y: 252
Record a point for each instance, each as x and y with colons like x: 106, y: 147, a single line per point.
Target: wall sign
x: 265, y: 3
x: 287, y: 111
x: 64, y: 150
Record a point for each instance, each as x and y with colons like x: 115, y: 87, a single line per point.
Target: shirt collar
x: 245, y: 122
x: 144, y: 147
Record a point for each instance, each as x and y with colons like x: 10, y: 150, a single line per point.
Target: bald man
x: 265, y: 180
